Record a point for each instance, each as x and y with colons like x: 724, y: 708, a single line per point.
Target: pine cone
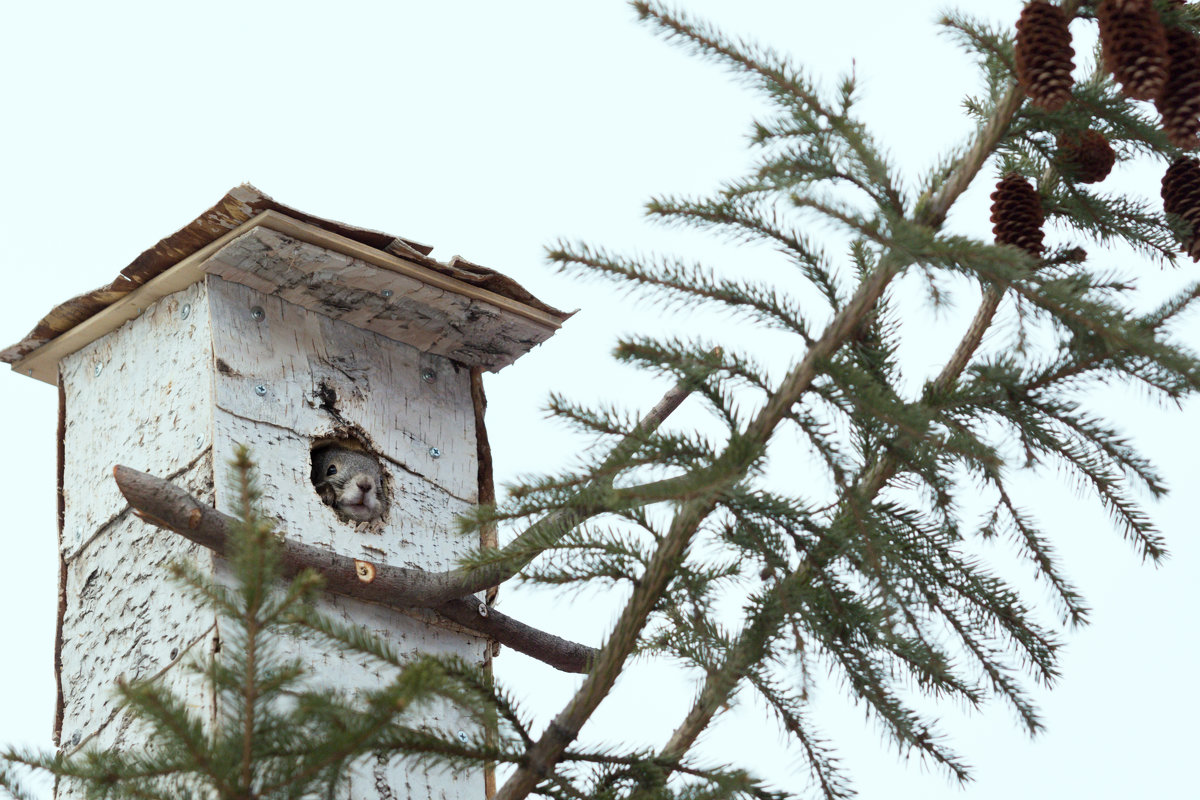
x: 1087, y: 154
x: 1135, y: 46
x: 1044, y: 55
x: 1127, y: 6
x: 1181, y: 197
x: 1017, y: 214
x: 1179, y: 102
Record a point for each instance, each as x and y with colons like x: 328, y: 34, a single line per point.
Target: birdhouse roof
x: 374, y: 279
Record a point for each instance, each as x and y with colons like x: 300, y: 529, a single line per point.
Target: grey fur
x: 355, y: 489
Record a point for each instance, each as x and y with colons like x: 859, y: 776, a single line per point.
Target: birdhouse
x: 261, y: 325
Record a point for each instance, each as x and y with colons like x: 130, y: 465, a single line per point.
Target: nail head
x: 186, y: 311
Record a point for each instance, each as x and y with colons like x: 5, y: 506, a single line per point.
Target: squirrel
x: 348, y: 480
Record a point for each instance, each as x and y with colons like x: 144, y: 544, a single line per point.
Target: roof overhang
x: 378, y: 282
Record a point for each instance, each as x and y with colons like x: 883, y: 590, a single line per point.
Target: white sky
x: 489, y: 130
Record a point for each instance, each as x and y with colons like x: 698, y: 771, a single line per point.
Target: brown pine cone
x: 1044, y: 55
x: 1087, y: 154
x: 1179, y: 102
x: 1134, y: 44
x: 1181, y: 197
x: 1131, y: 5
x: 1017, y: 214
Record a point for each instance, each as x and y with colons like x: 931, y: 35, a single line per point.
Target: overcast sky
x: 489, y: 130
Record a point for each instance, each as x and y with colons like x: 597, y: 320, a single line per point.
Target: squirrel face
x: 348, y: 480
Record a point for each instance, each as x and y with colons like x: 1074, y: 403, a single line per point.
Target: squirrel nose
x: 365, y: 483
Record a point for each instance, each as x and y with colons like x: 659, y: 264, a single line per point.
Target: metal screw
x: 428, y: 375
x: 79, y: 533
x: 75, y: 738
x: 436, y: 453
x: 386, y: 293
x: 257, y: 314
x: 174, y: 653
x: 261, y: 390
x: 462, y: 736
x: 186, y: 311
x: 483, y: 609
x: 99, y: 369
x: 199, y: 441
x: 29, y: 372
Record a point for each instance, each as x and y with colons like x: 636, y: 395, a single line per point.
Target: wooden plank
x: 296, y: 358
x: 139, y: 396
x: 428, y: 317
x: 340, y: 244
x: 42, y: 363
x: 418, y: 530
x: 124, y: 618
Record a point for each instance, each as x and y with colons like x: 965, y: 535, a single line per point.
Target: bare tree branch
x: 171, y: 508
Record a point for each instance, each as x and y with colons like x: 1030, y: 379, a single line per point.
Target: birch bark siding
x: 173, y: 393
x: 141, y: 393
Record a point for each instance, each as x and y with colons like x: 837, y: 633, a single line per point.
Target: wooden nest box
x: 262, y: 325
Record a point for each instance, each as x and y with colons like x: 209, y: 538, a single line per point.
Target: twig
x: 462, y: 582
x: 167, y: 506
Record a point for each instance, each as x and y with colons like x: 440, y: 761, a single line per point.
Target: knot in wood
x: 365, y: 570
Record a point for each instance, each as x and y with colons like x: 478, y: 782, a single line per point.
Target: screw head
x: 174, y: 653
x: 186, y: 311
x: 99, y: 369
x: 435, y: 452
x: 387, y: 293
x: 483, y: 609
x: 257, y: 314
x: 199, y: 442
x: 428, y: 375
x: 462, y: 736
x: 261, y: 390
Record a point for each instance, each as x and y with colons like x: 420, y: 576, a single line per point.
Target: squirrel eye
x: 332, y: 470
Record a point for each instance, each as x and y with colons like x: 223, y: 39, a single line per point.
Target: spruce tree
x: 861, y: 567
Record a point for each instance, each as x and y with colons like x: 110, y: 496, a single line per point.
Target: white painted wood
x: 290, y: 353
